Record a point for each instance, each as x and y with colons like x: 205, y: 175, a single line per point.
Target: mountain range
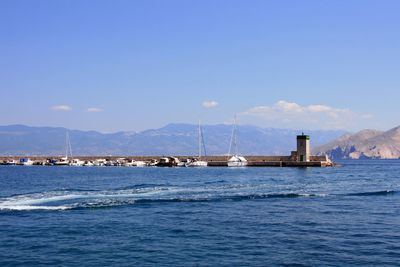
x: 173, y: 139
x: 366, y: 144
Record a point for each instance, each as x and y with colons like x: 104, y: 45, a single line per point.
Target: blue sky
x: 132, y: 65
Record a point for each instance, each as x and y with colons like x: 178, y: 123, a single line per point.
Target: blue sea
x: 121, y: 216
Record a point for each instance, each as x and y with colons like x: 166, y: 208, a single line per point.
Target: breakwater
x: 213, y: 161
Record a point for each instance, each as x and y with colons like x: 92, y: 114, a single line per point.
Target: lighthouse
x: 303, y: 148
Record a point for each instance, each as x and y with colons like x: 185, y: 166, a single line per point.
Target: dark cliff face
x: 366, y: 144
x: 173, y: 139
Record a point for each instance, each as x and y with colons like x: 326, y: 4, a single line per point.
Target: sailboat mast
x: 235, y: 137
x: 66, y: 145
x: 199, y: 136
x: 69, y: 145
x: 68, y: 148
x: 202, y: 141
x: 232, y: 143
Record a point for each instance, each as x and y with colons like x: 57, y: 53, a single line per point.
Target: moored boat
x: 141, y: 163
x: 193, y: 162
x: 99, y: 162
x: 10, y: 162
x: 153, y: 163
x: 235, y: 160
x: 88, y: 163
x: 77, y: 162
x: 25, y: 162
x: 196, y: 163
x: 168, y: 162
x: 64, y: 161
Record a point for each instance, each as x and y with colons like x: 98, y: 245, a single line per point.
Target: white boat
x: 235, y: 160
x: 25, y: 162
x: 168, y: 162
x: 64, y: 161
x: 88, y: 164
x: 11, y: 162
x: 134, y: 163
x: 121, y: 162
x: 181, y: 164
x: 198, y: 162
x: 153, y: 163
x: 99, y: 162
x: 141, y: 164
x: 77, y: 162
x: 129, y: 163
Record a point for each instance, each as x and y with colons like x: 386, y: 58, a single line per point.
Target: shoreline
x: 213, y: 161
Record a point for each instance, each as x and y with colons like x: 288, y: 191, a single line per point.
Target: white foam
x: 34, y: 201
x: 63, y: 200
x: 29, y: 207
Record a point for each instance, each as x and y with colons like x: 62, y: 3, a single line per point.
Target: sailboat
x: 198, y: 162
x: 64, y: 161
x: 235, y: 160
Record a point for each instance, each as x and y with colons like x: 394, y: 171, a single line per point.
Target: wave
x: 65, y: 200
x: 142, y: 186
x: 71, y: 199
x: 374, y: 193
x: 231, y: 198
x: 150, y: 194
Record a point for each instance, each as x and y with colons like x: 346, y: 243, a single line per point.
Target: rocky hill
x: 366, y: 144
x: 173, y: 139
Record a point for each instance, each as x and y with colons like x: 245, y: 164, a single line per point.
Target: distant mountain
x: 173, y: 139
x: 366, y: 144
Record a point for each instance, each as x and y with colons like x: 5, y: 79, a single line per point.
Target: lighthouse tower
x: 303, y: 148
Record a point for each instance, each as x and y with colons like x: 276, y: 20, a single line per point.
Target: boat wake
x: 375, y: 193
x: 81, y: 199
x: 75, y: 199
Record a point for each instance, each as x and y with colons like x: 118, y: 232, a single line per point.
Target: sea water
x: 126, y: 216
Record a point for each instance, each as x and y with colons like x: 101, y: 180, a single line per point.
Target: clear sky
x: 132, y: 65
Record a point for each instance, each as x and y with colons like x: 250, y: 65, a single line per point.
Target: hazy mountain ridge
x: 366, y: 144
x: 173, y: 139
